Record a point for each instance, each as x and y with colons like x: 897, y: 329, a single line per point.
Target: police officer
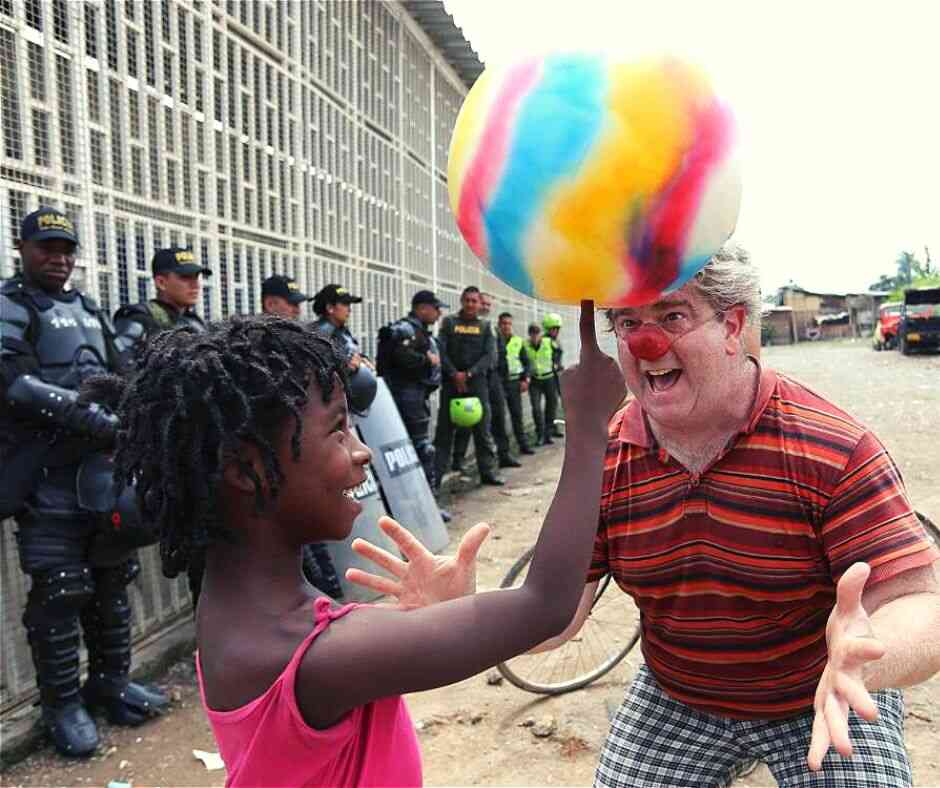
x: 331, y: 305
x: 52, y: 340
x: 513, y: 376
x: 280, y: 295
x: 177, y: 279
x: 552, y: 325
x: 497, y: 403
x: 467, y: 347
x: 539, y: 352
x: 176, y: 276
x: 409, y: 360
x: 332, y: 308
x: 542, y: 385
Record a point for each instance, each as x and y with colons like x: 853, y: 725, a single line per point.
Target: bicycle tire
x: 582, y: 680
x: 933, y: 531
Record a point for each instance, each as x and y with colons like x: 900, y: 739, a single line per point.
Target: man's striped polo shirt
x: 734, y: 570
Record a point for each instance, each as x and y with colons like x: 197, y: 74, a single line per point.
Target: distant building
x: 815, y: 315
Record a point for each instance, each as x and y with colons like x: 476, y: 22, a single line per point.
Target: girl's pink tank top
x: 267, y: 743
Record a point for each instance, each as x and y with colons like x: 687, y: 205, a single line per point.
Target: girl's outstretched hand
x: 424, y: 578
x: 592, y: 389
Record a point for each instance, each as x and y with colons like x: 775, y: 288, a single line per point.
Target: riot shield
x: 367, y: 527
x: 396, y: 464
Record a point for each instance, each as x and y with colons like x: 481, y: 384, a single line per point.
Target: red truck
x: 886, y: 329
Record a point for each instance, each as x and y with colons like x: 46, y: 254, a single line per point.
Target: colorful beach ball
x: 578, y: 176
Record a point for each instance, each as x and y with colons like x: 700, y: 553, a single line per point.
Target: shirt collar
x: 171, y: 308
x: 635, y: 428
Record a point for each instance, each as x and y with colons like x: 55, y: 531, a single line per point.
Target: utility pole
x: 927, y: 252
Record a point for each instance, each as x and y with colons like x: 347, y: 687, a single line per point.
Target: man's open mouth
x: 660, y: 380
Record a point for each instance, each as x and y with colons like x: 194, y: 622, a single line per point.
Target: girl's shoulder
x: 242, y: 660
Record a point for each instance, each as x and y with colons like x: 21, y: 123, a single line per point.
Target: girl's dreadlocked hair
x: 193, y: 399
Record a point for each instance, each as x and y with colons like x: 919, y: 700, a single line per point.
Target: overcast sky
x: 838, y: 105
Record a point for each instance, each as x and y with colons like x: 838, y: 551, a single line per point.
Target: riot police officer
x: 52, y: 340
x: 177, y: 279
x: 467, y: 349
x: 409, y: 360
x: 176, y: 276
x: 281, y: 296
x: 331, y: 305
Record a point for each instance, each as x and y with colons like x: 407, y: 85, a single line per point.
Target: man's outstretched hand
x: 424, y: 578
x: 851, y: 644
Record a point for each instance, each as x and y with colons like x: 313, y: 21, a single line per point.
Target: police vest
x: 513, y: 360
x: 67, y: 334
x: 541, y: 358
x: 330, y: 331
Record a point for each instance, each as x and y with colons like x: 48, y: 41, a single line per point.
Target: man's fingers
x: 859, y: 650
x: 410, y: 547
x: 375, y: 582
x: 837, y: 721
x: 851, y: 585
x: 857, y: 696
x: 819, y: 743
x: 380, y: 557
x: 472, y: 542
x: 588, y: 333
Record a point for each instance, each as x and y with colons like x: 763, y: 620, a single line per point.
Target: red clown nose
x: 649, y: 343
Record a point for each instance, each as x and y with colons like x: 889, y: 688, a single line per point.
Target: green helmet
x: 466, y: 411
x: 551, y: 320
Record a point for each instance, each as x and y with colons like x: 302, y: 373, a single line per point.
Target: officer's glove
x: 37, y: 400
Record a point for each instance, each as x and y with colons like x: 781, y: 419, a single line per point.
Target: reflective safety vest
x: 513, y: 360
x: 542, y: 365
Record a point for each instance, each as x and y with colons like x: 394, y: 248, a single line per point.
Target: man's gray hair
x: 730, y: 279
x: 727, y: 280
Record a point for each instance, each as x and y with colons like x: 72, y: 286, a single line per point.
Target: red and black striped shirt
x: 734, y: 570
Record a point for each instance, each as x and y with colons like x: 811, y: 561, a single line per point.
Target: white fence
x: 307, y: 138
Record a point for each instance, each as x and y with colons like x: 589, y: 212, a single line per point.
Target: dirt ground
x: 478, y: 733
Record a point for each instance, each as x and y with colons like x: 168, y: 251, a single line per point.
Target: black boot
x: 125, y: 702
x: 526, y: 449
x: 508, y: 462
x: 65, y: 719
x: 107, y: 625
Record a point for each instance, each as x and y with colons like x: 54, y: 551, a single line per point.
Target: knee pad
x: 57, y: 595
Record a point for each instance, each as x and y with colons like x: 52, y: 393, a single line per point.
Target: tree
x: 908, y: 267
x: 911, y: 272
x: 885, y: 284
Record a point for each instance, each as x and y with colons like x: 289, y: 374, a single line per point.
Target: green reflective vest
x: 541, y: 364
x: 513, y: 360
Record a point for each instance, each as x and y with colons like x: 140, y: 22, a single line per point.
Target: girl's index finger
x: 379, y: 557
x: 588, y: 332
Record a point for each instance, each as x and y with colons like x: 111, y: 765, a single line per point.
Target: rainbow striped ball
x: 577, y: 176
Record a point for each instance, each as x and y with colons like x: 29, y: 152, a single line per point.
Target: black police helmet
x: 363, y: 387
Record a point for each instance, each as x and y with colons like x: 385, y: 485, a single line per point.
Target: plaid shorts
x: 657, y: 741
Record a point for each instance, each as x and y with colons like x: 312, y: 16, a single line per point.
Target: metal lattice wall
x: 307, y: 138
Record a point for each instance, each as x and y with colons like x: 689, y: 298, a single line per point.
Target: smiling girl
x: 240, y: 445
